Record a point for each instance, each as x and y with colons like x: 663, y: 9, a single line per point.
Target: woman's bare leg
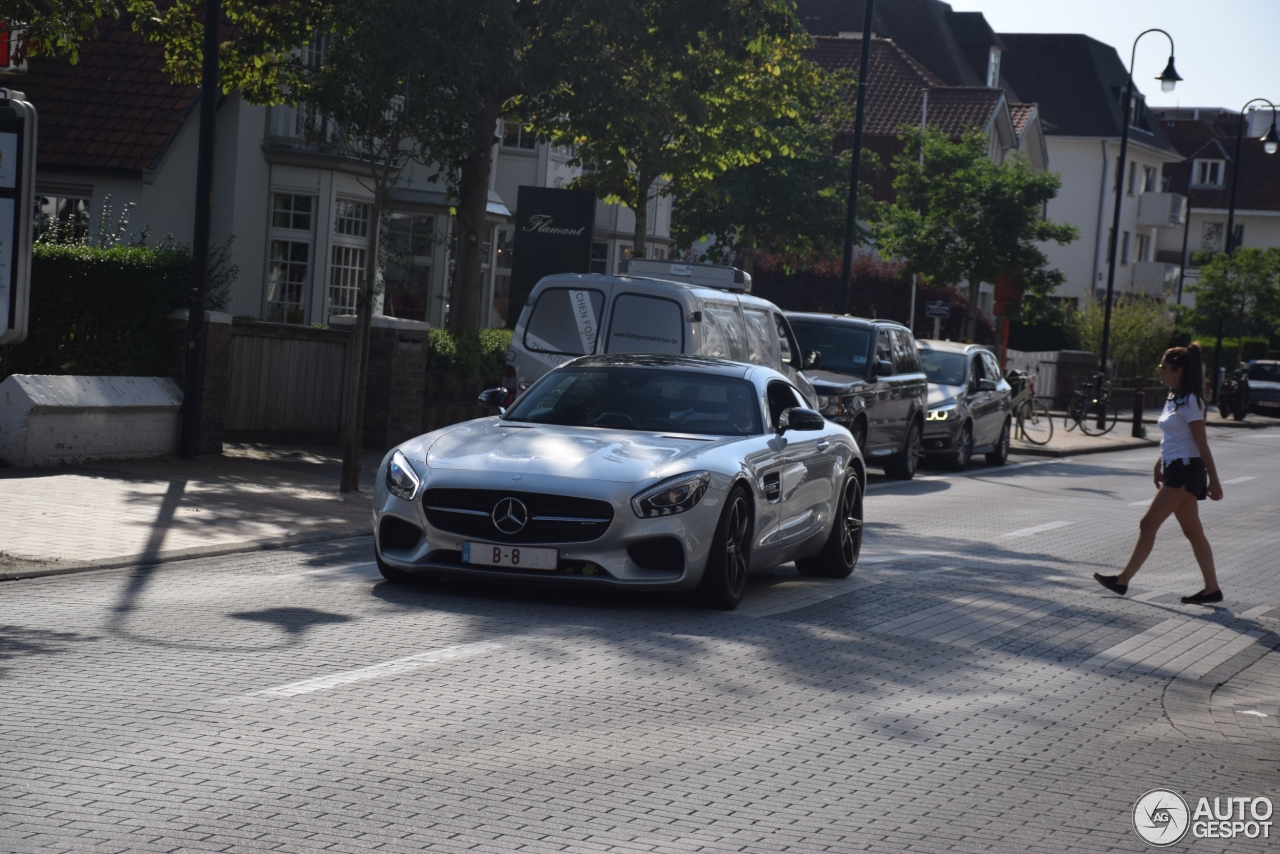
x: 1166, y: 502
x: 1189, y: 518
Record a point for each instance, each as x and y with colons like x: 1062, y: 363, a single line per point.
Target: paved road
x: 969, y: 689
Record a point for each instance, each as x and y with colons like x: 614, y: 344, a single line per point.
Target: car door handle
x: 823, y: 445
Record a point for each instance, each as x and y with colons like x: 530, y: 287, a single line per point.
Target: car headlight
x: 671, y: 496
x: 942, y: 413
x: 830, y: 406
x: 402, y: 480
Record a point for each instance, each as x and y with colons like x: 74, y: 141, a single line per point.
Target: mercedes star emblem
x: 510, y: 516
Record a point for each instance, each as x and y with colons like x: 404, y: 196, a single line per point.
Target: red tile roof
x: 1021, y: 114
x: 1259, y: 187
x: 113, y: 110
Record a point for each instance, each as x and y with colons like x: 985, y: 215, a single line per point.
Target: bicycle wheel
x: 1035, y: 423
x: 1098, y: 418
x: 1075, y: 408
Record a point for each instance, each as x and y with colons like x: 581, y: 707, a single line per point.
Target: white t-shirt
x: 1175, y: 423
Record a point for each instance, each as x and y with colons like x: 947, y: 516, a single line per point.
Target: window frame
x: 1200, y: 165
x: 290, y: 234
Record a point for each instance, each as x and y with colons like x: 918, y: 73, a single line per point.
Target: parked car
x: 970, y: 403
x: 653, y: 472
x: 1264, y: 387
x: 656, y: 307
x: 868, y: 379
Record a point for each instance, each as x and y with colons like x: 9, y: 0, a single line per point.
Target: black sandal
x: 1202, y: 598
x: 1111, y: 583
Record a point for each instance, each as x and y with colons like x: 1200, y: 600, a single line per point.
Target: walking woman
x: 1184, y: 474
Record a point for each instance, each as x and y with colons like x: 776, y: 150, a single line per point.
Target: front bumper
x: 939, y: 436
x: 604, y: 561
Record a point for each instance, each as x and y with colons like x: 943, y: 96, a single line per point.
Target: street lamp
x: 1270, y: 144
x: 1168, y: 80
x: 860, y: 112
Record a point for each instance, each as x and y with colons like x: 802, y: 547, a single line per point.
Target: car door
x: 981, y: 403
x: 883, y: 429
x: 797, y: 481
x: 999, y: 404
x: 912, y: 384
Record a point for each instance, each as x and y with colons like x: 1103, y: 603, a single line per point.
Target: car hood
x: 940, y: 395
x: 622, y: 456
x: 828, y: 382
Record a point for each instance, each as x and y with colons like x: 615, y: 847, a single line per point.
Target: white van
x: 654, y: 307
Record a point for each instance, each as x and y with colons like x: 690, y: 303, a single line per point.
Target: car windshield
x: 1265, y: 373
x: 943, y: 368
x: 645, y: 399
x: 843, y: 347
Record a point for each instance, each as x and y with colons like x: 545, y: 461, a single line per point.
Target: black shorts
x: 1189, y: 475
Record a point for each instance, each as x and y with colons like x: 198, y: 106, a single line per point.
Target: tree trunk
x: 749, y: 249
x: 640, y: 244
x: 473, y: 191
x: 358, y: 359
x: 970, y: 330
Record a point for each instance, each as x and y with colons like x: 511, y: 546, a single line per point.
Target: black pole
x: 1186, y: 232
x: 194, y: 386
x: 1235, y: 182
x: 864, y: 66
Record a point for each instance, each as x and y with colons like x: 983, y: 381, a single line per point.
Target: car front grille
x: 551, y: 518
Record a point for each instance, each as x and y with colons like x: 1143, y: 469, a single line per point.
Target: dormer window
x: 1208, y: 173
x: 993, y: 68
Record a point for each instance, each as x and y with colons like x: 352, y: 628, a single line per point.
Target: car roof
x: 665, y: 361
x: 843, y: 319
x: 949, y: 346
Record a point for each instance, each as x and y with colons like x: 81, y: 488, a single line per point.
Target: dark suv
x: 868, y: 377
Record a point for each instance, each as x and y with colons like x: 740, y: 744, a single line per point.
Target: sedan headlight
x: 402, y: 480
x: 830, y: 406
x: 942, y: 413
x: 671, y: 496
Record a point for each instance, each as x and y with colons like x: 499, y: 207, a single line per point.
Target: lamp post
x: 1168, y: 79
x: 851, y: 217
x: 1270, y: 144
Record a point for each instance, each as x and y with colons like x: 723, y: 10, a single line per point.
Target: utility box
x: 17, y: 205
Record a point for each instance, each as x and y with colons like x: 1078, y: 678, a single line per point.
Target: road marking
x: 1143, y: 503
x: 1254, y: 713
x: 1236, y: 480
x: 375, y: 671
x: 1038, y: 529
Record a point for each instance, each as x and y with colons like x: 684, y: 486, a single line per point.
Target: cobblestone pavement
x: 970, y: 688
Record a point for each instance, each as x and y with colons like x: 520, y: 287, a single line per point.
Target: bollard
x: 1139, y: 398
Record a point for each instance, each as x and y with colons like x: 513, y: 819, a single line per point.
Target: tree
x: 791, y: 202
x: 1242, y: 290
x: 961, y: 216
x: 56, y: 27
x: 672, y: 93
x: 1141, y: 329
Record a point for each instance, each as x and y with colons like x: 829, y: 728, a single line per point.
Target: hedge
x: 484, y: 353
x: 99, y: 311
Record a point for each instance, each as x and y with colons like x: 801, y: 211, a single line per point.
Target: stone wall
x: 217, y: 373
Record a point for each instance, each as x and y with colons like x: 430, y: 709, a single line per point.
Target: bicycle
x: 1031, y: 417
x: 1094, y: 415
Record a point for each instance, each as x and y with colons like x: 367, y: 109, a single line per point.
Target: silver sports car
x: 651, y: 472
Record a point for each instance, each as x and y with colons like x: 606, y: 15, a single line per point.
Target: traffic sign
x: 937, y: 308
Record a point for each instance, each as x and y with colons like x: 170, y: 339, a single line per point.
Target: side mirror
x: 884, y: 368
x: 800, y: 418
x: 494, y: 397
x: 986, y: 385
x: 812, y: 359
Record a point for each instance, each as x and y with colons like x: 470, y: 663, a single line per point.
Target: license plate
x: 1268, y: 403
x: 517, y: 557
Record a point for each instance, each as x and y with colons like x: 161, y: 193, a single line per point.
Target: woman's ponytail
x: 1190, y: 361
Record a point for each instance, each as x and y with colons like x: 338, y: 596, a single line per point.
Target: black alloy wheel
x: 840, y: 553
x: 903, y: 465
x: 724, y: 581
x: 959, y: 460
x: 999, y: 455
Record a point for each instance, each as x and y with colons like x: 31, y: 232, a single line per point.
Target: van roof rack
x: 703, y: 275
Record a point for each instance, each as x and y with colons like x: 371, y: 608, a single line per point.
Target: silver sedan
x: 649, y: 472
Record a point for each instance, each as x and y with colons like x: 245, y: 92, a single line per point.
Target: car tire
x: 903, y: 465
x: 840, y: 553
x: 724, y: 581
x: 389, y: 572
x: 959, y: 459
x: 859, y: 432
x: 999, y: 455
x: 1239, y: 413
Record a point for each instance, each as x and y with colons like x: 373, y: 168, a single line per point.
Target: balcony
x: 1154, y: 278
x: 1164, y: 210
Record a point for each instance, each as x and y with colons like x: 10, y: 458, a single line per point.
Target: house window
x: 346, y: 271
x: 1150, y: 176
x: 1144, y: 248
x: 658, y: 252
x: 993, y: 68
x: 410, y: 250
x: 514, y: 136
x: 287, y: 280
x: 351, y: 218
x: 624, y: 254
x: 1133, y: 178
x: 1213, y: 233
x: 291, y: 212
x: 70, y: 216
x: 600, y: 258
x: 1124, y: 247
x: 1208, y: 173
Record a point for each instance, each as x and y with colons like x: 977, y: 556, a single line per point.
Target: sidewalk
x: 1075, y: 442
x: 127, y: 512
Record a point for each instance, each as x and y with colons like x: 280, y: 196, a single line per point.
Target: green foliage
x: 1242, y: 290
x: 1141, y: 330
x: 961, y: 216
x: 483, y: 352
x: 56, y: 27
x: 99, y: 311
